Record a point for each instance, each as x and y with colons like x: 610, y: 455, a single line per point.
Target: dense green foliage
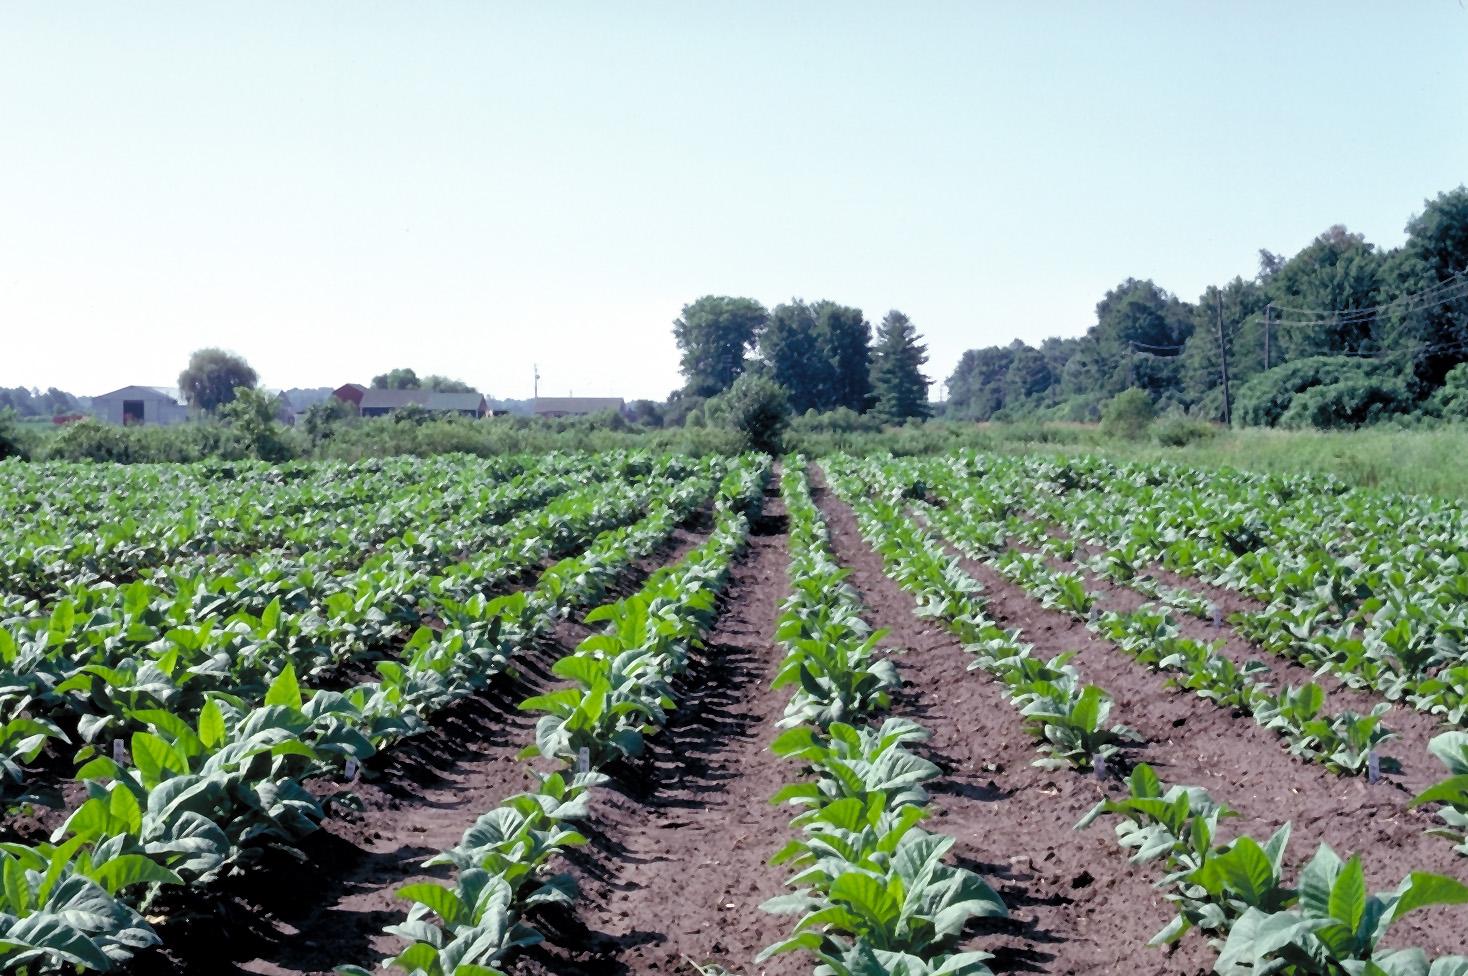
x: 715, y: 334
x: 212, y: 377
x: 898, y: 383
x: 820, y: 353
x: 1386, y: 326
x: 407, y: 379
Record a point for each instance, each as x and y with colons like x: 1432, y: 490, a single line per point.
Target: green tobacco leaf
x: 1423, y: 889
x: 285, y: 691
x: 131, y: 869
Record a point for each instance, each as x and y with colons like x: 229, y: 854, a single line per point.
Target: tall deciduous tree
x: 845, y: 340
x: 791, y: 349
x: 715, y: 334
x: 1338, y: 271
x: 898, y: 382
x: 210, y: 379
x: 1430, y: 333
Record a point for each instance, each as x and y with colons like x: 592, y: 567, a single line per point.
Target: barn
x: 380, y: 403
x: 139, y: 405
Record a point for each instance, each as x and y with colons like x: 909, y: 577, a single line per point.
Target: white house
x: 139, y: 405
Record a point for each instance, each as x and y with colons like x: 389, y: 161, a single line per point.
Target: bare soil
x: 288, y: 916
x: 677, y: 866
x: 1076, y: 906
x: 1189, y: 741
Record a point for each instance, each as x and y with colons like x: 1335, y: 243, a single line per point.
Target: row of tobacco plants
x: 196, y: 735
x: 620, y: 686
x: 1235, y: 892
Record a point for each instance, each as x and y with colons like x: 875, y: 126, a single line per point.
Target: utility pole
x: 1267, y: 309
x: 1228, y: 420
x: 536, y: 368
x: 1131, y: 358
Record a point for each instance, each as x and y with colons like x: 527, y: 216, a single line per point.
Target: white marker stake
x: 118, y: 755
x: 352, y: 769
x: 583, y: 760
x: 1098, y: 763
x: 1373, y: 767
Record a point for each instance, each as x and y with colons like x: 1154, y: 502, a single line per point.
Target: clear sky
x: 468, y: 188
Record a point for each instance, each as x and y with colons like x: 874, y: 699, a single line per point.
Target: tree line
x: 1341, y: 333
x: 815, y: 356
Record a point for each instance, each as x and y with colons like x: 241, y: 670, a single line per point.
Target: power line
x: 1435, y: 295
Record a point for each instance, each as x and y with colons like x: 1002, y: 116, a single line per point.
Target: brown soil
x: 298, y: 917
x: 1413, y: 728
x: 1012, y: 821
x: 1189, y: 741
x: 677, y: 867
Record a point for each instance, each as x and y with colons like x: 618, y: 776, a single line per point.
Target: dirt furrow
x: 1190, y: 741
x: 1076, y: 906
x: 306, y: 917
x: 677, y: 865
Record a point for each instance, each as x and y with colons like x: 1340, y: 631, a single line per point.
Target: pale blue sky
x: 334, y: 189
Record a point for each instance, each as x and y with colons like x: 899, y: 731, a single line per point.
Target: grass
x: 1425, y: 462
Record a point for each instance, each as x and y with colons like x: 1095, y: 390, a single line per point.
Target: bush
x: 1177, y: 430
x: 1451, y: 401
x: 1127, y: 415
x: 1350, y: 403
x: 92, y: 440
x: 13, y: 439
x: 842, y: 420
x: 756, y: 407
x: 1264, y: 399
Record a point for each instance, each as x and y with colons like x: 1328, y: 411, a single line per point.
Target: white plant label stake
x: 1216, y: 613
x: 1098, y: 763
x: 352, y: 769
x: 1373, y: 767
x: 583, y: 760
x: 118, y: 755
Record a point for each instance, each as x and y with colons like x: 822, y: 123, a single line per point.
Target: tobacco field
x: 640, y: 713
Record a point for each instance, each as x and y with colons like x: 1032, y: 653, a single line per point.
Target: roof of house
x: 428, y: 399
x: 137, y: 393
x: 577, y: 404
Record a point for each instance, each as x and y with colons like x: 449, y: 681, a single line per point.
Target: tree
x: 715, y: 334
x: 792, y: 351
x: 845, y: 340
x: 898, y: 382
x: 1028, y: 378
x: 976, y: 388
x: 1243, y: 330
x: 212, y: 378
x: 252, y: 412
x: 1430, y: 332
x: 757, y: 407
x: 397, y: 379
x: 1338, y: 272
x: 443, y: 384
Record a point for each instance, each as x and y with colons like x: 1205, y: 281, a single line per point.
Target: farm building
x: 577, y: 406
x: 380, y: 403
x: 350, y: 393
x: 135, y: 405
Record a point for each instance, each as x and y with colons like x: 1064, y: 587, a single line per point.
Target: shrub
x: 1265, y: 398
x: 1127, y: 415
x: 13, y: 439
x: 1349, y: 403
x: 1451, y: 401
x: 1177, y: 430
x: 756, y: 407
x: 842, y: 420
